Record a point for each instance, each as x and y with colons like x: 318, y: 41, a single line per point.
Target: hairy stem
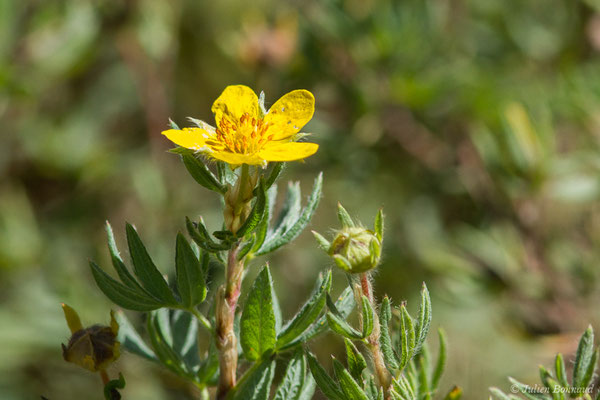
x: 227, y: 298
x: 364, y: 288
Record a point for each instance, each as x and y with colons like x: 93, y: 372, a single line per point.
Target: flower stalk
x: 362, y: 286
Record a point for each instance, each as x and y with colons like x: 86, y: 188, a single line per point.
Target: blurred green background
x: 474, y: 123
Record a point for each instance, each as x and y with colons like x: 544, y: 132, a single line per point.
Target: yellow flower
x: 245, y: 134
x: 93, y: 348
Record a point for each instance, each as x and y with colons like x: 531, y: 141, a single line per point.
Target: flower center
x: 246, y: 136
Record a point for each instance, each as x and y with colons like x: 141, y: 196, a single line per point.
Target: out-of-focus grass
x: 474, y: 123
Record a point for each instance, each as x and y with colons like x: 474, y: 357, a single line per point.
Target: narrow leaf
x: 351, y: 389
x: 202, y: 174
x: 356, y: 361
x: 130, y: 338
x: 441, y: 360
x: 585, y: 355
x: 190, y: 277
x: 145, y: 269
x: 387, y: 348
x: 122, y: 295
x: 368, y: 316
x: 256, y: 213
x: 307, y: 315
x: 327, y: 385
x: 258, y: 385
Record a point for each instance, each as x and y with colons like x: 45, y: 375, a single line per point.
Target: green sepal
x: 202, y: 174
x: 144, y: 268
x: 324, y: 244
x: 121, y: 295
x: 344, y: 217
x: 190, y: 276
x: 379, y: 225
x: 257, y: 324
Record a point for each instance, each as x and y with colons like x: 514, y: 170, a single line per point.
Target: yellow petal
x: 190, y: 138
x: 289, y: 151
x: 72, y: 318
x: 290, y: 113
x: 234, y: 102
x: 237, y: 158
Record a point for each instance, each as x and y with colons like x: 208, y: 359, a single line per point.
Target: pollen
x: 246, y: 136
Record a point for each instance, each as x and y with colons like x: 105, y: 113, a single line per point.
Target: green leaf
x: 379, y: 225
x: 263, y: 227
x: 344, y: 305
x: 257, y: 325
x: 161, y: 344
x: 275, y: 172
x: 527, y: 391
x: 190, y: 278
x: 130, y: 338
x: 257, y: 385
x: 293, y: 380
x: 368, y: 317
x: 110, y: 389
x: 202, y: 174
x: 387, y: 348
x: 307, y: 315
x: 350, y: 388
x: 184, y: 328
x: 561, y: 372
x: 441, y: 361
x: 403, y: 388
x: 200, y: 236
x: 422, y: 328
x: 276, y: 241
x: 583, y: 359
x: 356, y: 361
x: 145, y: 269
x: 256, y: 213
x: 118, y: 263
x: 344, y: 217
x: 327, y: 385
x: 246, y: 247
x: 342, y: 328
x: 407, y: 337
x: 308, y: 390
x: 122, y: 295
x: 291, y: 209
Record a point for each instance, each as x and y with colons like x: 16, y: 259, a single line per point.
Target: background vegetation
x: 475, y: 123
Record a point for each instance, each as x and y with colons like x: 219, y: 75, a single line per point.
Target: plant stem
x: 364, y: 288
x: 104, y: 377
x: 227, y: 298
x: 201, y: 318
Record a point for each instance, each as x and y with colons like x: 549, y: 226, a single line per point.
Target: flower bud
x: 355, y: 249
x: 93, y: 348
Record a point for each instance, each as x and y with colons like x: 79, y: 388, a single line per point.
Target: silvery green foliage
x: 555, y: 384
x: 407, y: 356
x: 179, y: 327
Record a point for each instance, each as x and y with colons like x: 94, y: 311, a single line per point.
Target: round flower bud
x: 355, y: 249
